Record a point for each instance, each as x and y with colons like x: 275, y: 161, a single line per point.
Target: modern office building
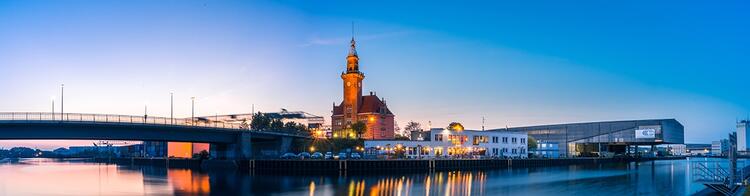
x: 602, y: 138
x: 454, y: 143
x: 677, y: 149
x: 300, y: 117
x: 698, y: 149
x: 742, y: 136
x: 720, y: 148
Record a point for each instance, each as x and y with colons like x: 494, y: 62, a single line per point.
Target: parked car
x: 316, y: 155
x: 288, y: 155
x: 329, y: 155
x: 342, y: 155
x: 355, y: 155
x: 304, y: 155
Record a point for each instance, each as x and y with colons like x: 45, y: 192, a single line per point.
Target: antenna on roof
x: 482, y: 123
x: 352, y: 30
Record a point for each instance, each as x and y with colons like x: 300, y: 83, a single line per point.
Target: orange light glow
x: 180, y: 149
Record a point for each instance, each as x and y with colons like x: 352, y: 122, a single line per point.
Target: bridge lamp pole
x: 192, y: 111
x: 53, y: 107
x: 171, y: 108
x: 62, y: 100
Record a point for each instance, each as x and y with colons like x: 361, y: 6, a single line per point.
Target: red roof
x: 368, y: 104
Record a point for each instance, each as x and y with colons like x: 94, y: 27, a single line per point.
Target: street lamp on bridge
x: 171, y: 107
x: 53, y: 108
x: 192, y: 111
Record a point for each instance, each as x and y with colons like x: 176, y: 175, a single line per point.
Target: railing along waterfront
x: 718, y: 171
x: 122, y: 119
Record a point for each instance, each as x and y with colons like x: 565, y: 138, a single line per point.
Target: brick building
x: 369, y: 109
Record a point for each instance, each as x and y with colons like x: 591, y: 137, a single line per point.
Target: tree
x: 260, y: 122
x: 531, y: 143
x: 413, y: 126
x: 359, y: 127
x: 295, y: 127
x: 454, y: 126
x: 277, y: 125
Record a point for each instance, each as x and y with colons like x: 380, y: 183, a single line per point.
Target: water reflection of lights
x: 312, y: 188
x: 438, y: 183
x: 186, y: 181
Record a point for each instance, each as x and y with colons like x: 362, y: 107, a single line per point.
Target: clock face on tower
x: 348, y: 84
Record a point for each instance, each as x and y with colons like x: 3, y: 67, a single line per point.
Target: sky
x: 513, y: 63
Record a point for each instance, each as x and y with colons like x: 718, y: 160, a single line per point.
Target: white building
x: 444, y: 143
x: 311, y: 121
x: 742, y: 135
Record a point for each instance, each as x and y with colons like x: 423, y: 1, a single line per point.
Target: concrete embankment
x: 335, y: 166
x: 421, y: 165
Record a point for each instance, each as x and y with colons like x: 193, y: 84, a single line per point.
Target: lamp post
x: 53, y: 107
x: 192, y: 111
x: 145, y: 113
x: 171, y: 108
x: 62, y: 100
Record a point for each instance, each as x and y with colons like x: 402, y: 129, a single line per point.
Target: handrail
x: 715, y: 173
x: 115, y: 118
x: 130, y: 119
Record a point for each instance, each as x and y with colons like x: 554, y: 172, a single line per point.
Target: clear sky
x: 513, y: 63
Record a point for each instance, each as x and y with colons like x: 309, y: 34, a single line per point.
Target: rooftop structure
x: 602, y: 138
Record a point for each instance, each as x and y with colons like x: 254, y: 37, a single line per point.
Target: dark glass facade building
x: 594, y: 138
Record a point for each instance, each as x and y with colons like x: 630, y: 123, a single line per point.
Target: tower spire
x: 353, y: 47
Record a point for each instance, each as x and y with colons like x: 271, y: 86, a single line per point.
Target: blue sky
x: 513, y: 63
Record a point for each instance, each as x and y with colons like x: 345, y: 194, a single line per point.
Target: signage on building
x: 648, y: 133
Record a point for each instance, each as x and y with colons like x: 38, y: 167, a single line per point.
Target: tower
x: 352, y: 81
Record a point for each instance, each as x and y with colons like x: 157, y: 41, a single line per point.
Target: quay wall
x: 365, y: 165
x: 424, y: 165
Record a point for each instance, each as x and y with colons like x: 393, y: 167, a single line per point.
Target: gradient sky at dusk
x: 513, y: 63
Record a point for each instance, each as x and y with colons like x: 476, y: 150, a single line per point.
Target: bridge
x: 227, y: 140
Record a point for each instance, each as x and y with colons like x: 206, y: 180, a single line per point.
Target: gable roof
x: 368, y: 104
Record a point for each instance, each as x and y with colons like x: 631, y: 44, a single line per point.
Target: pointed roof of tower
x: 353, y: 48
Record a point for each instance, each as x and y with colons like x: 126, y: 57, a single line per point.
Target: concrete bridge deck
x: 234, y: 140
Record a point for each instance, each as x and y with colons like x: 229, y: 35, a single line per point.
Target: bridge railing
x: 109, y: 118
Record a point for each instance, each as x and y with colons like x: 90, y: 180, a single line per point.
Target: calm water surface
x: 51, y: 177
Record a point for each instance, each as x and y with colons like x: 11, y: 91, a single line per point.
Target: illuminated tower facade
x: 352, y: 79
x: 369, y: 109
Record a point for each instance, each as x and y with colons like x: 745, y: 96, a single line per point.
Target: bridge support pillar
x: 285, y: 144
x: 240, y: 149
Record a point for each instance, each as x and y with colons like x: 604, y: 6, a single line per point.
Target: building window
x: 479, y: 139
x: 513, y: 140
x: 505, y: 140
x: 514, y: 151
x: 523, y: 140
x: 439, y: 137
x: 505, y: 150
x: 494, y: 139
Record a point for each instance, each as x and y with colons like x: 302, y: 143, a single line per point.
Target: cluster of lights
x: 351, y: 135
